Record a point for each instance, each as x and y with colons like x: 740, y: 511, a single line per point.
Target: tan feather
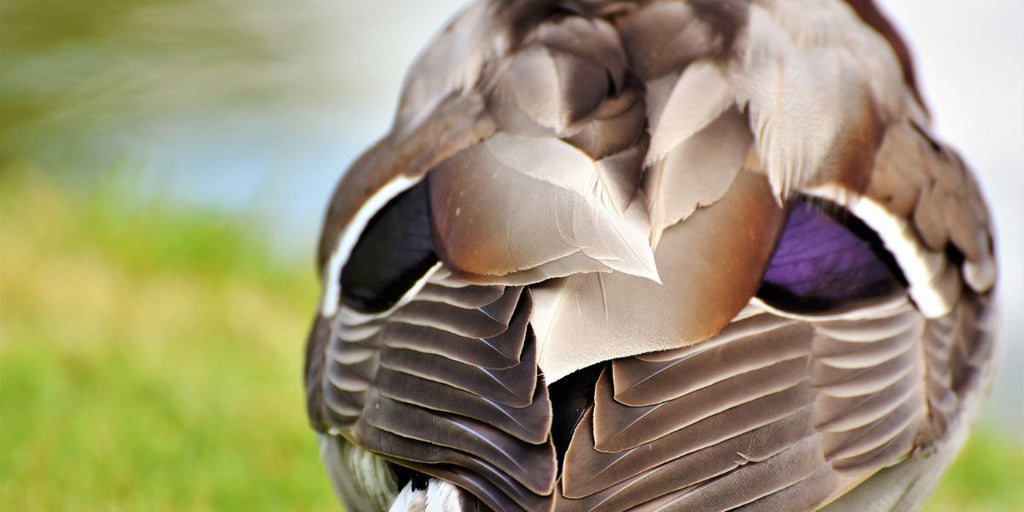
x: 484, y: 229
x: 804, y: 87
x: 697, y: 172
x: 602, y: 312
x: 699, y: 96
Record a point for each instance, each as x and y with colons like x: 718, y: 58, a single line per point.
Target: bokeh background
x: 164, y: 166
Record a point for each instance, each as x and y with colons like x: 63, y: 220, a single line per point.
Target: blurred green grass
x: 150, y: 359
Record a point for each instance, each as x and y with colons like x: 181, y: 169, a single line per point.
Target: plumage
x: 602, y: 312
x: 653, y: 255
x: 697, y: 172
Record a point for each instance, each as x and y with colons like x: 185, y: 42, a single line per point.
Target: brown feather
x: 606, y: 183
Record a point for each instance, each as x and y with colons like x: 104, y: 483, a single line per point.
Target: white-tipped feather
x: 354, y: 318
x: 932, y: 284
x: 350, y: 235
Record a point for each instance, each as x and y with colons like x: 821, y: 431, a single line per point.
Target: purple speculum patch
x: 823, y: 261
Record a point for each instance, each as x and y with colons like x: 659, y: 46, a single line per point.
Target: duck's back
x: 675, y: 255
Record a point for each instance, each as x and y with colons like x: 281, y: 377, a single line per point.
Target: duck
x: 673, y: 255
